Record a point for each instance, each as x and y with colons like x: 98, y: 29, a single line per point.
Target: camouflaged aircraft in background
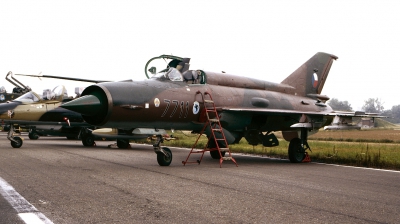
x: 4, y: 96
x: 18, y: 90
x: 42, y: 115
x: 247, y: 107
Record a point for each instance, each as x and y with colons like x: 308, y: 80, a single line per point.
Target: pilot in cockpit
x: 174, y: 74
x: 183, y: 67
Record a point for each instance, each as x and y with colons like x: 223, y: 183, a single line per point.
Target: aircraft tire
x: 164, y: 160
x: 33, y: 136
x: 122, y: 143
x: 296, y: 151
x: 17, y: 144
x: 214, y: 154
x: 88, y: 140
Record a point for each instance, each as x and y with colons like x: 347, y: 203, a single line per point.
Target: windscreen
x: 28, y: 97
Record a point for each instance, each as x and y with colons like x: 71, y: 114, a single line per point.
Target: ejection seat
x: 183, y: 66
x: 190, y: 75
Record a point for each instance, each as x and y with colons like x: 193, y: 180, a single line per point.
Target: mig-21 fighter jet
x: 174, y: 99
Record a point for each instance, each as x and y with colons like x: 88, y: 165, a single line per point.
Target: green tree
x: 373, y: 105
x: 339, y: 105
x: 393, y: 115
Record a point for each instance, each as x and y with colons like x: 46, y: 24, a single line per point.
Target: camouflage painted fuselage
x: 245, y: 105
x: 45, y: 116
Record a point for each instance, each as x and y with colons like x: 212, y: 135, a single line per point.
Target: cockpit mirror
x: 153, y: 70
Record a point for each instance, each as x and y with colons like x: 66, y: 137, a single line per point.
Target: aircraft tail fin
x: 309, y: 78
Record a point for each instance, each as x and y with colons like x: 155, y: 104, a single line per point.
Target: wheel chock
x: 306, y: 159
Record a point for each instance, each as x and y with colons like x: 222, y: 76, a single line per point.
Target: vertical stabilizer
x: 310, y: 77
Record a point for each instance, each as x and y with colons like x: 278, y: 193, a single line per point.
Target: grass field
x: 368, y: 135
x: 378, y: 148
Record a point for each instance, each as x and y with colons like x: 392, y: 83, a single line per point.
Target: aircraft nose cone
x: 88, y: 105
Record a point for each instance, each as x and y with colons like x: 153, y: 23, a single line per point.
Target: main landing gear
x: 297, y: 148
x: 87, y: 137
x: 123, y: 143
x: 164, y: 154
x: 88, y: 140
x: 33, y: 135
x: 16, y: 141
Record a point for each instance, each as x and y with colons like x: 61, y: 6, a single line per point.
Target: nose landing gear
x: 164, y: 154
x: 16, y: 141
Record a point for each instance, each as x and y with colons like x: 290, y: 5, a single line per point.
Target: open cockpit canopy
x: 173, y: 68
x: 58, y: 93
x: 29, y: 97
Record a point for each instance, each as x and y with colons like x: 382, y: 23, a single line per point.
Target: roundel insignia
x: 2, y: 98
x: 156, y: 102
x: 315, y: 80
x: 196, y: 107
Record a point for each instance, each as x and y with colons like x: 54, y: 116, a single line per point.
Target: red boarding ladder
x: 215, y: 126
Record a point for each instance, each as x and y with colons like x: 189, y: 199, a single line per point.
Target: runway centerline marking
x: 26, y: 211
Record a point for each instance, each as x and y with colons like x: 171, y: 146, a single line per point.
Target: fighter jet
x: 42, y: 115
x: 345, y: 121
x: 174, y: 99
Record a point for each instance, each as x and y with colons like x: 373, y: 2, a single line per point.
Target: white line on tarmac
x: 357, y: 167
x: 26, y: 211
x: 327, y: 164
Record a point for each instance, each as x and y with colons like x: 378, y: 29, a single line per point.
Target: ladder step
x: 214, y: 125
x: 197, y: 151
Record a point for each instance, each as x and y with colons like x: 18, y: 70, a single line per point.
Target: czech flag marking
x: 315, y: 80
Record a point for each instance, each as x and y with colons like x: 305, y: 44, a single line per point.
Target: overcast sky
x: 261, y: 39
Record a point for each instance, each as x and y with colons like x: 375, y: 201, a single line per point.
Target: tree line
x: 371, y: 105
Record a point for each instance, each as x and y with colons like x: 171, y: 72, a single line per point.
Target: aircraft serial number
x: 183, y: 108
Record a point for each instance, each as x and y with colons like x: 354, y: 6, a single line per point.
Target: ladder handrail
x: 215, y: 126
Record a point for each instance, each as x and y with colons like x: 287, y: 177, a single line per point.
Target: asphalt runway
x: 70, y: 183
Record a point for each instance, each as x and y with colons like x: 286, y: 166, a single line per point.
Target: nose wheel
x: 164, y: 154
x: 16, y: 142
x: 164, y: 158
